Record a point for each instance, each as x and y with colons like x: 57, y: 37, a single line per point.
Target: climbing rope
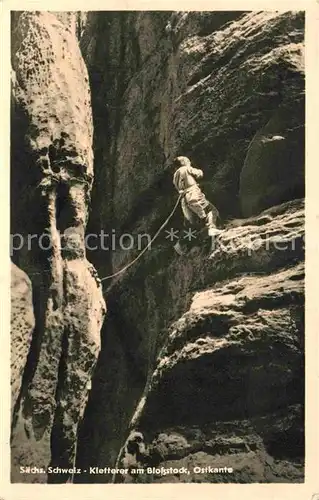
x: 71, y: 478
x: 139, y: 255
x: 147, y: 246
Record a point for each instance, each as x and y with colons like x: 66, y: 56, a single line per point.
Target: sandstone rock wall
x: 188, y: 82
x: 226, y: 89
x: 52, y: 172
x: 233, y: 365
x: 22, y: 324
x: 201, y: 357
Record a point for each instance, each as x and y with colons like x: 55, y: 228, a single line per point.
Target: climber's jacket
x: 184, y: 178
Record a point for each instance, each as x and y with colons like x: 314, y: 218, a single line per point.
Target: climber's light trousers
x: 194, y: 202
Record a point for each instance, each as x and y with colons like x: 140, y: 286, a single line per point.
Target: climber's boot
x: 211, y: 228
x: 213, y: 231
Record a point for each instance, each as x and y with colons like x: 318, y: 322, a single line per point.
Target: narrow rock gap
x: 60, y: 451
x: 61, y: 207
x: 143, y: 116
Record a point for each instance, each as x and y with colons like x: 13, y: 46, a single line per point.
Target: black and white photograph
x: 157, y: 242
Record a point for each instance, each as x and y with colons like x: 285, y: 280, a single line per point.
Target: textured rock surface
x: 248, y: 447
x: 202, y: 356
x: 272, y: 166
x: 188, y: 83
x: 52, y: 171
x: 236, y: 355
x: 22, y: 324
x: 232, y: 365
x: 226, y: 89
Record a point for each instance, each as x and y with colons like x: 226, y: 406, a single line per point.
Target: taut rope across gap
x: 147, y: 246
x: 71, y: 478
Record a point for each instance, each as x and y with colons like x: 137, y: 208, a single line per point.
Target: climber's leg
x: 201, y: 216
x: 212, y: 230
x: 196, y: 204
x: 209, y: 220
x: 190, y: 216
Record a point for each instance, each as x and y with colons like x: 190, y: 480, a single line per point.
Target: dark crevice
x: 201, y: 392
x: 287, y: 445
x: 129, y: 344
x: 61, y: 446
x: 63, y: 212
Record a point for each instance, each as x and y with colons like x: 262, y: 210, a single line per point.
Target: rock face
x: 277, y: 146
x: 22, y: 324
x: 189, y: 83
x: 226, y: 89
x: 227, y: 387
x: 201, y: 361
x: 52, y: 172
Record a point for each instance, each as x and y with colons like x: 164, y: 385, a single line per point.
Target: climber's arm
x: 176, y: 180
x: 196, y: 172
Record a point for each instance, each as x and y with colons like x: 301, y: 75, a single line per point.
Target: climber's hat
x: 181, y: 161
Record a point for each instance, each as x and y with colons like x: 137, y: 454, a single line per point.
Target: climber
x: 195, y: 205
